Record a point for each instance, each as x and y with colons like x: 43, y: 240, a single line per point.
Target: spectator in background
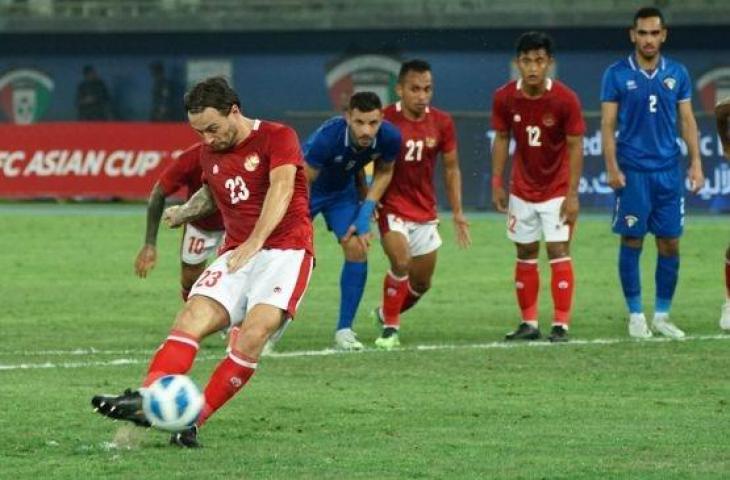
x: 93, y: 101
x: 92, y: 97
x: 161, y: 94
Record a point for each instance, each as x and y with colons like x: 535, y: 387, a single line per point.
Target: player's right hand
x: 171, y: 216
x: 146, y: 260
x: 616, y: 178
x: 499, y: 199
x: 363, y: 240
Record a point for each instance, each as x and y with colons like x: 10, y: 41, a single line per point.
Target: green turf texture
x: 625, y: 409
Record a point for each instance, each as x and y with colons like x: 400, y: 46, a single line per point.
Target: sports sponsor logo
x: 25, y: 95
x: 91, y: 163
x: 630, y: 220
x: 357, y: 73
x: 431, y: 142
x: 236, y: 382
x: 631, y: 85
x: 563, y: 284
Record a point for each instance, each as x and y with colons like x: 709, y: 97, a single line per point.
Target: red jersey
x: 539, y: 126
x: 411, y: 193
x: 239, y: 180
x: 185, y: 172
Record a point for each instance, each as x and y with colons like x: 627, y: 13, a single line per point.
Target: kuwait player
x: 544, y: 118
x: 645, y: 97
x: 200, y: 239
x: 408, y: 220
x: 722, y: 114
x: 254, y: 171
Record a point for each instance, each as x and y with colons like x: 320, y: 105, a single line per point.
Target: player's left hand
x: 171, y: 216
x: 696, y: 177
x: 569, y: 209
x: 363, y: 240
x: 463, y: 236
x: 242, y: 254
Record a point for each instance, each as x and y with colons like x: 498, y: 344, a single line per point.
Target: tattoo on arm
x: 200, y: 205
x: 155, y: 205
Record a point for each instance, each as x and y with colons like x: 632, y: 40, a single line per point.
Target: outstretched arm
x: 722, y: 115
x: 569, y: 208
x: 382, y: 175
x: 452, y: 178
x: 500, y: 152
x: 147, y: 255
x: 276, y: 203
x: 200, y: 205
x: 690, y: 137
x: 609, y: 112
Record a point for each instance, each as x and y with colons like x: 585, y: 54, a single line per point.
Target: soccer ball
x: 172, y: 403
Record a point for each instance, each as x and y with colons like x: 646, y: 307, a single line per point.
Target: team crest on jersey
x: 251, y: 162
x: 430, y: 142
x: 670, y: 83
x: 517, y: 118
x: 630, y: 220
x: 548, y: 120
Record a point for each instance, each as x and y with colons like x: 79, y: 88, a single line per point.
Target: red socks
x: 562, y: 289
x: 412, y: 297
x: 527, y: 285
x: 175, y: 356
x: 228, y: 378
x: 395, y: 290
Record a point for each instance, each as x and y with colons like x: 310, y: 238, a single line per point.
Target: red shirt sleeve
x: 574, y: 123
x: 177, y: 173
x: 448, y: 130
x: 500, y: 115
x: 284, y: 148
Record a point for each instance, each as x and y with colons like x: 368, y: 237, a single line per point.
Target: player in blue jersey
x: 335, y: 154
x: 643, y: 93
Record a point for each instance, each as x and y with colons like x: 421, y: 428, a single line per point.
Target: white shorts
x: 199, y: 245
x: 528, y: 222
x: 272, y: 277
x: 422, y: 238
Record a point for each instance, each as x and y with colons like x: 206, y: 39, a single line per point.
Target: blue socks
x: 352, y: 285
x: 667, y: 271
x: 628, y: 270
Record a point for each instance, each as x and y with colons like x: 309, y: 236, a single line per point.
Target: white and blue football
x: 172, y: 402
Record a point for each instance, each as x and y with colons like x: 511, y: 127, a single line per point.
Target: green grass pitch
x: 454, y: 402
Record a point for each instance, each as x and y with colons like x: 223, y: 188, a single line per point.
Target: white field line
x: 144, y: 355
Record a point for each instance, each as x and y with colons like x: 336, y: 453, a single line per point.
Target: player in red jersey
x: 408, y: 219
x: 722, y: 115
x: 253, y: 172
x: 200, y: 239
x: 544, y: 118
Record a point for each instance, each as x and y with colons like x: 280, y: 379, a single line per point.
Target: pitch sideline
x: 321, y: 353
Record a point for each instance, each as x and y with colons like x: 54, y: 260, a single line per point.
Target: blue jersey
x: 647, y: 111
x: 330, y: 150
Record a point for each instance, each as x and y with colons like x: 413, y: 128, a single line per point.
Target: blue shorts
x: 650, y: 202
x: 339, y: 209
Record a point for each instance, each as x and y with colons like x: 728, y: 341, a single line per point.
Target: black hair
x: 533, y: 40
x: 212, y: 92
x: 648, y: 12
x: 415, y: 65
x: 365, y: 102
